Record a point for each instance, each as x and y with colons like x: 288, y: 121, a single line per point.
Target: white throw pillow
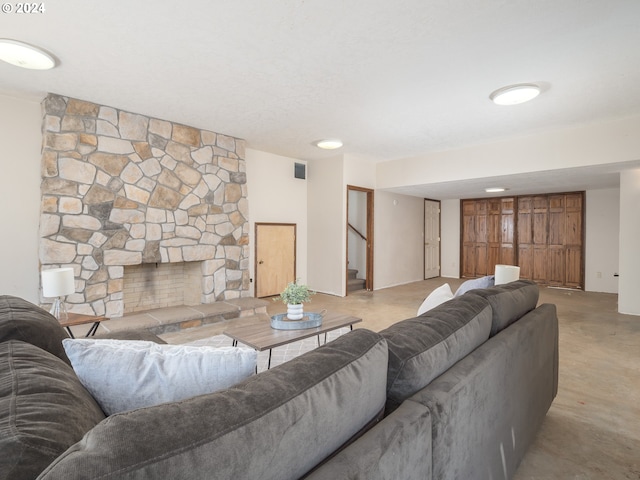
x: 474, y: 283
x: 440, y: 295
x: 127, y: 374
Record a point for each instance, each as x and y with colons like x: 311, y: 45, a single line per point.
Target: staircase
x: 353, y: 282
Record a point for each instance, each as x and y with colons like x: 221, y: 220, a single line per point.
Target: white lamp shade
x: 58, y: 282
x: 506, y: 274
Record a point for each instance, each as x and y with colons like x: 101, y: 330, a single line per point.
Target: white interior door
x: 431, y: 239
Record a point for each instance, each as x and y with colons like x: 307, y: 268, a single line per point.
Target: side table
x: 74, y: 319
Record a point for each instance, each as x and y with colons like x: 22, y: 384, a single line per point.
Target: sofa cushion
x: 440, y: 295
x: 44, y: 409
x: 24, y: 321
x: 421, y: 348
x: 509, y: 302
x: 275, y: 425
x: 127, y: 374
x: 398, y: 448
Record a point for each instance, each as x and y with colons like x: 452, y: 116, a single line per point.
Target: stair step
x: 354, y: 284
x: 173, y: 319
x: 352, y: 273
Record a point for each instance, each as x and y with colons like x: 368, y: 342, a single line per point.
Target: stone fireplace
x: 122, y: 192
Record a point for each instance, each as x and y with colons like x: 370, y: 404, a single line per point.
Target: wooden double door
x: 543, y: 234
x: 487, y: 235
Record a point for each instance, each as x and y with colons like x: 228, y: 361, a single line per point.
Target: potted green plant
x: 294, y: 295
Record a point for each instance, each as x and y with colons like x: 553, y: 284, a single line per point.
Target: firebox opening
x: 158, y: 285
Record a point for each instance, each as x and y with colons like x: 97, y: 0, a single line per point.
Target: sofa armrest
x: 397, y: 447
x: 487, y: 409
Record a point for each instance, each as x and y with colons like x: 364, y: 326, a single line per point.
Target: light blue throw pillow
x: 475, y: 283
x: 124, y: 375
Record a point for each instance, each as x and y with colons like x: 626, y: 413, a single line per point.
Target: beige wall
x: 602, y: 240
x: 629, y: 293
x: 597, y: 144
x: 20, y: 142
x: 450, y: 238
x: 399, y: 239
x: 276, y: 196
x: 326, y: 213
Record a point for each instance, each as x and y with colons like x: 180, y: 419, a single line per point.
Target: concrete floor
x: 592, y: 430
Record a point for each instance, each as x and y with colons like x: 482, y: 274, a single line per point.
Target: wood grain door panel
x: 574, y: 274
x: 540, y: 263
x: 507, y: 256
x: 468, y: 261
x: 556, y: 271
x: 275, y: 258
x: 481, y: 260
x: 525, y: 261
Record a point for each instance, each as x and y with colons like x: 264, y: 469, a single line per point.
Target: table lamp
x: 58, y: 282
x: 506, y: 274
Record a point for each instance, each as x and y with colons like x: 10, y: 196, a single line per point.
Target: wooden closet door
x: 494, y: 233
x: 525, y: 237
x: 507, y: 238
x: 540, y: 236
x: 550, y: 239
x: 488, y: 231
x: 468, y: 234
x: 574, y: 240
x: 481, y: 245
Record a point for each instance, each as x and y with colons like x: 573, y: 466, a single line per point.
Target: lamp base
x: 58, y: 309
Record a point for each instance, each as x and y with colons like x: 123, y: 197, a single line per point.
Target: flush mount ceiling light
x: 26, y: 56
x: 329, y: 143
x: 515, y: 94
x: 495, y: 189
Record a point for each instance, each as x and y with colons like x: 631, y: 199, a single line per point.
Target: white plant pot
x: 294, y: 312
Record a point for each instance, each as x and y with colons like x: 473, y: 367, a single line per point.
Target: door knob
x: 260, y: 262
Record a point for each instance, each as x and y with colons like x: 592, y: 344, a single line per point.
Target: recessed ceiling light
x: 329, y: 143
x: 495, y: 189
x: 515, y: 94
x: 26, y: 56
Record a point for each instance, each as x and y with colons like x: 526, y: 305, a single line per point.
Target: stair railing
x: 356, y: 230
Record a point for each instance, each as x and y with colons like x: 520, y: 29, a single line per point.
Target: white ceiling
x: 392, y: 79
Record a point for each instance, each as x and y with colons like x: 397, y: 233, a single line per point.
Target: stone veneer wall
x: 120, y: 188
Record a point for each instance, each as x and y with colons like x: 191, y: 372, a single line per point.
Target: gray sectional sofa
x: 457, y: 393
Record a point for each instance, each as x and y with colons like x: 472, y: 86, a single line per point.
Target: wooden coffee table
x: 260, y: 336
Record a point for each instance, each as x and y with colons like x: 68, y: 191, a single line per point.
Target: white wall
x: 20, y: 155
x: 629, y: 290
x: 596, y: 144
x: 450, y: 238
x: 326, y: 215
x: 276, y: 196
x: 602, y: 239
x: 399, y: 239
x: 359, y: 172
